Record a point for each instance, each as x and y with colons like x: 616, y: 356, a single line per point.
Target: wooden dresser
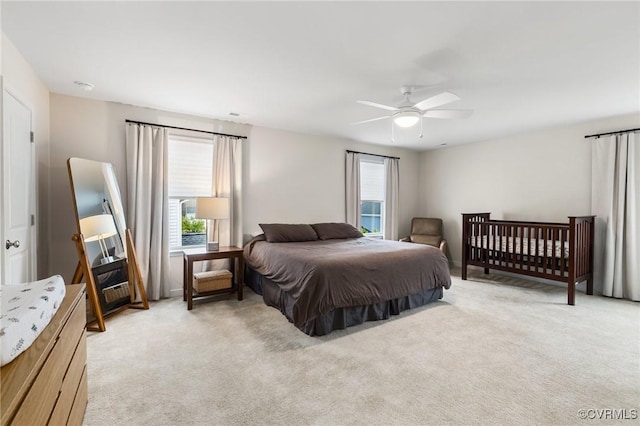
x: 47, y: 384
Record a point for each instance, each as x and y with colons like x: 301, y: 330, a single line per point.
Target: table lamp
x: 97, y: 228
x: 212, y: 208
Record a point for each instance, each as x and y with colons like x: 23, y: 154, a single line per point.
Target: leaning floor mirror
x: 107, y: 259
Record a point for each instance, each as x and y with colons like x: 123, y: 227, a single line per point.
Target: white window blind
x: 371, y: 181
x: 190, y: 167
x: 174, y: 222
x: 190, y: 170
x: 372, y: 196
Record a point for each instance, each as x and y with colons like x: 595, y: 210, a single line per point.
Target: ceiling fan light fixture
x: 406, y: 118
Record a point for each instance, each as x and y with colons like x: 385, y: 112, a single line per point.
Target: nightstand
x: 200, y: 254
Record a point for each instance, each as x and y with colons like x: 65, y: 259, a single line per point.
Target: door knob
x: 9, y: 244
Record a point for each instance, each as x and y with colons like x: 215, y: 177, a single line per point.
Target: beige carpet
x: 490, y: 352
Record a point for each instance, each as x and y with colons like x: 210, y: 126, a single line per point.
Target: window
x: 372, y: 197
x: 190, y: 170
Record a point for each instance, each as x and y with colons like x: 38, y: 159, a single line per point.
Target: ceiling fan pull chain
x: 393, y: 139
x: 421, y: 121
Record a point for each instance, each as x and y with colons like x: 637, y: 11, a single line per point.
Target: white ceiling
x: 302, y: 65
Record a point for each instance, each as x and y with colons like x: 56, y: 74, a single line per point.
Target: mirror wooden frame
x: 84, y: 269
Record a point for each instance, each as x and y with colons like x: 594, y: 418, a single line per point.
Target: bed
x: 26, y: 310
x: 554, y: 251
x: 324, y: 277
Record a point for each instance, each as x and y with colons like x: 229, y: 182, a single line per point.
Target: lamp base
x: 213, y: 246
x: 107, y: 259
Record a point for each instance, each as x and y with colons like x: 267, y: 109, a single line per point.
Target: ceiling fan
x: 408, y: 113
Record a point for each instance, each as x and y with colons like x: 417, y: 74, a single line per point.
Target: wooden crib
x: 554, y: 251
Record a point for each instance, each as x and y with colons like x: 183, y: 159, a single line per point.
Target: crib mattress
x: 513, y: 245
x: 26, y: 310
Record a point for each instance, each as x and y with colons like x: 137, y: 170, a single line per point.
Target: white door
x: 18, y: 259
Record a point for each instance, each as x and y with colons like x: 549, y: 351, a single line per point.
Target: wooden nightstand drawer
x: 80, y: 402
x: 70, y: 384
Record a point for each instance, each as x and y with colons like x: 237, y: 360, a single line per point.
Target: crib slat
x: 580, y: 248
x: 562, y: 260
x: 578, y: 253
x: 498, y: 244
x: 536, y: 255
x: 585, y: 249
x: 522, y: 252
x: 521, y: 255
x: 534, y: 240
x: 546, y: 248
x: 475, y: 231
x: 494, y: 236
x: 509, y: 252
x: 514, y: 252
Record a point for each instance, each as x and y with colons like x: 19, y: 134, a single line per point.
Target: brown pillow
x: 331, y: 231
x: 288, y: 233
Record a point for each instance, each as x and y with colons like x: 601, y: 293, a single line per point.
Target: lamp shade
x: 97, y: 227
x: 212, y: 208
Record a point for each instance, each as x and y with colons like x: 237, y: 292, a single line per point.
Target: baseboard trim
x: 175, y: 292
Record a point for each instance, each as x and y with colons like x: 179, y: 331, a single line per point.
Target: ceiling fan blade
x: 376, y: 105
x: 373, y: 119
x: 448, y: 113
x: 437, y: 100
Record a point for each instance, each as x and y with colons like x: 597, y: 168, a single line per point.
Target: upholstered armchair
x: 428, y: 231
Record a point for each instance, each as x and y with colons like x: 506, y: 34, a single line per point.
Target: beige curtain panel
x: 352, y: 189
x: 147, y: 196
x: 227, y: 183
x: 614, y: 199
x: 392, y: 189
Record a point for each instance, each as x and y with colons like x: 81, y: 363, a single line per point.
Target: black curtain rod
x: 184, y: 128
x: 375, y: 155
x: 611, y: 133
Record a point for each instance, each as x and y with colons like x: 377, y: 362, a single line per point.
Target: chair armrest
x: 443, y: 246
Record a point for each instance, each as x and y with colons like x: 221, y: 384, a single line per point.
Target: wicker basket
x: 211, y: 280
x: 116, y: 292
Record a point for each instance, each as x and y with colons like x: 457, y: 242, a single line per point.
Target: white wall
x: 300, y: 178
x: 288, y: 177
x: 543, y: 176
x: 20, y: 78
x: 95, y: 130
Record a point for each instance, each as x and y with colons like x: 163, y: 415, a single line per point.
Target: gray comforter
x: 321, y: 276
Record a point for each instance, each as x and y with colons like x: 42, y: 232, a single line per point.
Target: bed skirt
x: 341, y: 318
